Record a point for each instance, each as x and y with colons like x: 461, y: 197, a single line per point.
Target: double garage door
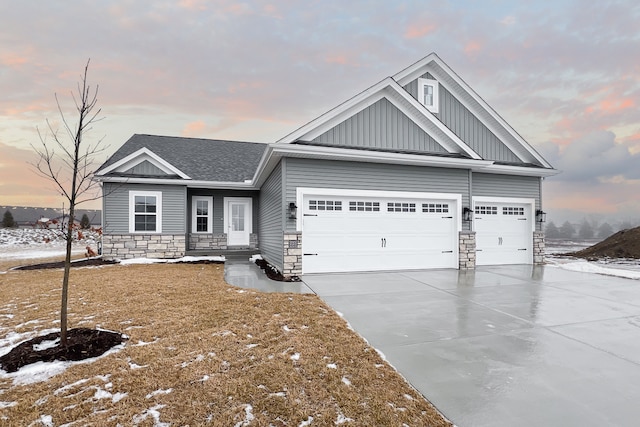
x: 351, y: 232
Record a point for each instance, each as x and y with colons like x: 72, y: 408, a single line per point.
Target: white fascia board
x: 390, y: 90
x: 332, y: 153
x: 138, y: 157
x: 179, y: 182
x: 426, y: 65
x: 520, y: 170
x: 333, y: 113
x: 415, y: 70
x: 503, y: 125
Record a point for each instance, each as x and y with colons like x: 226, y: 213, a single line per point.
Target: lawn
x: 201, y: 352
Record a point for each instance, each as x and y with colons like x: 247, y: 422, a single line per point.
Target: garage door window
x: 325, y: 205
x: 401, y: 207
x: 512, y: 210
x: 364, y: 206
x: 487, y: 210
x: 435, y: 207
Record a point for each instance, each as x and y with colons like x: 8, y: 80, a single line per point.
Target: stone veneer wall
x: 292, y: 265
x: 204, y: 241
x: 123, y: 246
x: 538, y: 247
x: 253, y: 241
x: 467, y: 250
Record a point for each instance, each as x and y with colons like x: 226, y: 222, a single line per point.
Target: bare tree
x: 67, y: 161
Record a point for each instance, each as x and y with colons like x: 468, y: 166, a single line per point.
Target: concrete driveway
x: 504, y: 345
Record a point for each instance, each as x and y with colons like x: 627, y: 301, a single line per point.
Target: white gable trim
x: 395, y: 94
x: 473, y: 102
x: 143, y: 154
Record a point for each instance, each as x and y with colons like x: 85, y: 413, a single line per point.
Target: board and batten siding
x: 271, y: 217
x: 466, y: 125
x: 372, y: 176
x: 510, y: 186
x: 145, y: 168
x: 382, y: 126
x: 116, y: 207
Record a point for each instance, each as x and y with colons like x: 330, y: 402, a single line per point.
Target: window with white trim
x: 401, y: 207
x: 202, y: 214
x: 428, y: 94
x: 145, y: 211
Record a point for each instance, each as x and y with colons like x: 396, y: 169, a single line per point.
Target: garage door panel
x: 503, y: 233
x: 364, y: 234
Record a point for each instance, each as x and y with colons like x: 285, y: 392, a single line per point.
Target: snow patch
x: 306, y: 422
x: 46, y: 344
x: 332, y: 366
x: 158, y: 392
x: 346, y: 380
x: 342, y: 419
x: 591, y: 267
x: 248, y: 416
x: 134, y: 261
x: 154, y: 413
x: 7, y: 404
x: 295, y: 356
x: 254, y: 258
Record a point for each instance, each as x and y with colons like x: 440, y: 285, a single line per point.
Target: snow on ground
x: 618, y: 267
x: 32, y: 243
x: 132, y: 261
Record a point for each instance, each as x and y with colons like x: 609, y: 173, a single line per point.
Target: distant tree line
x: 585, y: 230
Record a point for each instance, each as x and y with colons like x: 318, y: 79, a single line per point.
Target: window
x: 487, y: 210
x: 202, y: 214
x: 435, y: 207
x: 145, y: 212
x: 511, y: 210
x: 364, y: 206
x: 325, y: 205
x: 428, y: 94
x: 401, y: 207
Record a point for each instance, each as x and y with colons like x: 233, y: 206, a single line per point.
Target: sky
x: 564, y: 74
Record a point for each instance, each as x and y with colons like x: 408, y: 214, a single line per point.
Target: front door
x: 238, y: 220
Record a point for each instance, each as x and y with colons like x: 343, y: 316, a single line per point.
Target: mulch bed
x: 273, y: 273
x: 89, y: 262
x: 623, y: 244
x: 82, y: 343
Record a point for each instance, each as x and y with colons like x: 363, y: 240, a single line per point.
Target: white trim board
x: 140, y: 156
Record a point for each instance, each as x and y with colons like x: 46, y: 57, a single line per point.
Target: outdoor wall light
x: 291, y: 210
x: 541, y: 216
x: 467, y: 214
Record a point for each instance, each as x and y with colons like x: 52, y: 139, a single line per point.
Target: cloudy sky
x: 564, y: 74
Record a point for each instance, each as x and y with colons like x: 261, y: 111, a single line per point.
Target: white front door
x: 238, y: 220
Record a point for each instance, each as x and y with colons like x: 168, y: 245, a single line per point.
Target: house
x: 416, y: 172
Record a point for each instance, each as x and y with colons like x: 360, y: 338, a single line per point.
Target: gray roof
x: 200, y: 159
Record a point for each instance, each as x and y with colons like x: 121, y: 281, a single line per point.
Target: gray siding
x: 218, y: 206
x: 381, y: 126
x: 145, y: 168
x: 271, y: 216
x: 494, y: 185
x: 370, y: 176
x: 116, y: 207
x: 466, y: 125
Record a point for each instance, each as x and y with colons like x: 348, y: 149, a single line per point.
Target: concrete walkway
x: 504, y: 345
x: 241, y: 272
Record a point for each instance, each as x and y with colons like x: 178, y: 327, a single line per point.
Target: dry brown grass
x: 216, y: 347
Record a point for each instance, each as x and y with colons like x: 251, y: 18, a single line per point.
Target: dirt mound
x: 82, y: 343
x: 623, y: 244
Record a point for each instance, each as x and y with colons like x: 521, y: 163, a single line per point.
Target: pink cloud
x: 415, y: 31
x: 472, y: 47
x: 193, y: 5
x: 194, y: 128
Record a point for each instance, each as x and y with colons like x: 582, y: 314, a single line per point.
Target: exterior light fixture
x: 541, y: 216
x: 292, y: 210
x: 467, y: 214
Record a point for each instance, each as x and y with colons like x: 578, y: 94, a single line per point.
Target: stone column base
x: 467, y: 250
x: 292, y: 265
x: 538, y: 247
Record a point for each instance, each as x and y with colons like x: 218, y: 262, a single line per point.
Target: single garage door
x: 343, y: 233
x: 504, y: 233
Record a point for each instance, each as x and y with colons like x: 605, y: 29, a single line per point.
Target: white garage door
x: 342, y: 233
x: 504, y: 233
